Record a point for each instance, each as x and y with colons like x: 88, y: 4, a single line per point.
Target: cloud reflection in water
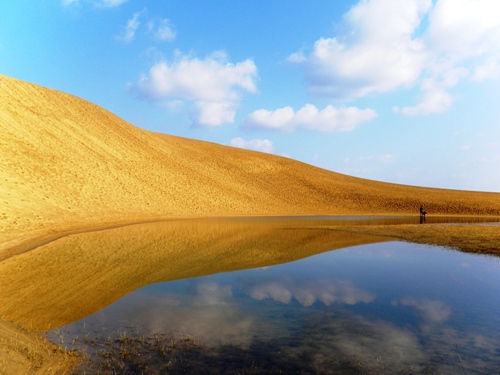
x: 431, y: 311
x: 204, y: 310
x: 307, y: 292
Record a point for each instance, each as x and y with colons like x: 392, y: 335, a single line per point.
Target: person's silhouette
x: 422, y: 212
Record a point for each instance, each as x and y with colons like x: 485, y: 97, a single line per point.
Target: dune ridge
x: 67, y: 164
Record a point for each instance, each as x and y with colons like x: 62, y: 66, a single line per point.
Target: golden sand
x: 68, y: 164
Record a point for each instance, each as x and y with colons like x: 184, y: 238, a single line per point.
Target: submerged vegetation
x: 324, y: 343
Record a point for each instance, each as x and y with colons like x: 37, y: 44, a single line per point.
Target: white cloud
x: 213, y: 84
x: 379, y: 55
x: 390, y: 45
x: 297, y: 58
x: 165, y: 31
x: 432, y: 101
x: 161, y: 30
x: 262, y: 145
x: 207, y: 113
x: 462, y: 29
x: 129, y: 31
x: 310, y: 118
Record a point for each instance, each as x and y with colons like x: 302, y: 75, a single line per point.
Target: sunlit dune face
x: 68, y: 164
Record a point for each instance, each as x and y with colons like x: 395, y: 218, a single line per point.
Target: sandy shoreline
x: 28, y: 243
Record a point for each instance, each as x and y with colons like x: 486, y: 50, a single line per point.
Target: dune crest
x: 67, y: 164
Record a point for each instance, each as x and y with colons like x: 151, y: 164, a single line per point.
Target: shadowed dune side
x: 67, y: 164
x: 75, y: 276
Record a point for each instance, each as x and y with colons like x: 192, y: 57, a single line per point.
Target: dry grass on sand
x: 477, y: 239
x: 22, y: 352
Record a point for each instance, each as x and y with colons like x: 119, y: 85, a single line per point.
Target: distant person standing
x: 422, y: 212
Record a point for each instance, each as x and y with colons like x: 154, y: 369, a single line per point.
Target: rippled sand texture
x: 67, y: 164
x: 72, y: 277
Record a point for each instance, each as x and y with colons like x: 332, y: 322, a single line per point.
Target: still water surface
x: 389, y: 307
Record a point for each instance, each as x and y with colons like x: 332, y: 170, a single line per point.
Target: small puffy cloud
x: 164, y: 32
x: 433, y: 101
x: 262, y: 145
x: 211, y: 79
x: 161, y: 30
x: 130, y: 29
x: 391, y: 45
x: 310, y: 118
x: 213, y: 84
x: 297, y: 58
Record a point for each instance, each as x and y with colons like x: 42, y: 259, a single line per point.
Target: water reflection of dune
x: 70, y: 278
x: 328, y: 291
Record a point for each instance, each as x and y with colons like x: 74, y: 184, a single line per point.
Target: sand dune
x: 68, y: 164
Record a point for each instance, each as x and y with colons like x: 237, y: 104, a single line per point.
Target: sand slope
x: 66, y: 163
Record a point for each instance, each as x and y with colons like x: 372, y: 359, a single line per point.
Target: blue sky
x: 404, y: 91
